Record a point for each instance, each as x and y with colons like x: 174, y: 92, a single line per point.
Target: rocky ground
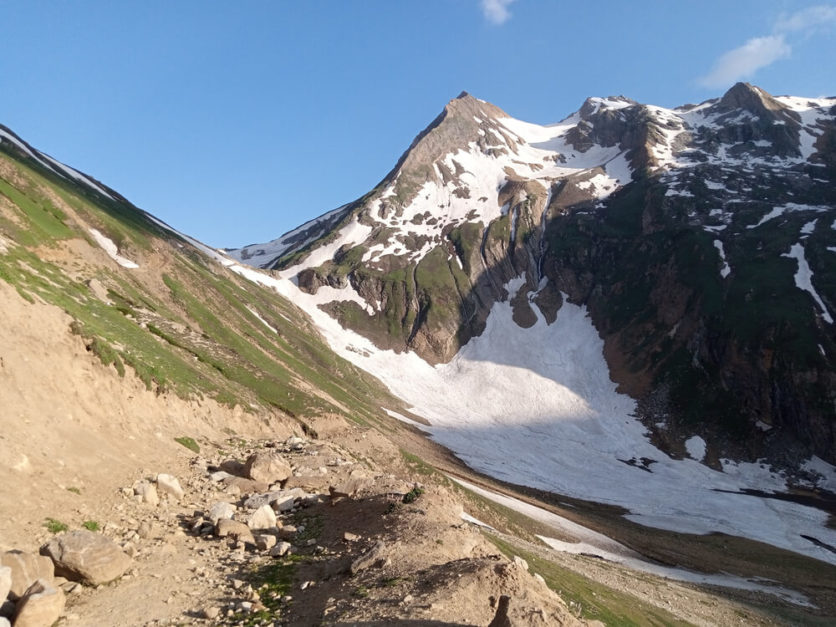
x: 287, y: 532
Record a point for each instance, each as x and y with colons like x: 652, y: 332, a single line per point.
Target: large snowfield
x: 536, y: 407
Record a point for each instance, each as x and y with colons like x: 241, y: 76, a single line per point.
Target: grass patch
x: 589, y: 599
x: 272, y: 582
x: 74, y: 490
x: 90, y: 525
x: 313, y: 526
x: 418, y: 465
x: 55, y: 526
x: 189, y: 443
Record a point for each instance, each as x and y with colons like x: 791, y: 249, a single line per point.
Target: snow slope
x: 553, y: 420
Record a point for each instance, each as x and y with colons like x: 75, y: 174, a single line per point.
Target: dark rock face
x: 709, y: 270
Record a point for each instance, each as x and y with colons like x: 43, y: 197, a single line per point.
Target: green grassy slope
x: 181, y: 321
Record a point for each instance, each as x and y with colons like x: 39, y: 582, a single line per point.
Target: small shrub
x: 189, y: 443
x: 55, y: 526
x: 90, y: 525
x: 413, y: 494
x: 74, y: 490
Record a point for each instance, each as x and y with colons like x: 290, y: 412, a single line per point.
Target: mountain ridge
x: 641, y: 172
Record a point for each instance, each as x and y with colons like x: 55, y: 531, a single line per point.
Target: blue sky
x: 237, y: 121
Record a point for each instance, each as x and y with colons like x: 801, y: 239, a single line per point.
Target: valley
x: 603, y: 346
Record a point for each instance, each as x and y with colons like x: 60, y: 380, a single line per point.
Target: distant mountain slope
x: 701, y: 239
x: 148, y: 298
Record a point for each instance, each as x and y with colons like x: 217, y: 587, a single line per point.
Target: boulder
x: 246, y: 486
x: 26, y: 568
x: 87, y: 557
x: 40, y: 606
x: 267, y: 467
x: 265, y: 541
x: 147, y: 492
x: 168, y: 484
x: 280, y: 549
x: 235, y: 529
x: 262, y: 518
x: 219, y: 511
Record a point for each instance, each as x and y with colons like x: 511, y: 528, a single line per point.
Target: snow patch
x: 588, y: 542
x: 78, y: 176
x: 560, y: 426
x: 110, y: 248
x: 695, y: 446
x: 826, y: 473
x: 804, y: 278
x: 726, y: 269
x: 468, y: 518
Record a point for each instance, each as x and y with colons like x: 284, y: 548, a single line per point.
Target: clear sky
x: 237, y: 121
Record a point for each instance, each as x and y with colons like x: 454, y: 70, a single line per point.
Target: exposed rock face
x: 699, y: 238
x: 86, y: 557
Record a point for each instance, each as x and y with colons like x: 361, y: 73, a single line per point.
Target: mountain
x: 632, y: 306
x: 123, y: 339
x: 701, y: 239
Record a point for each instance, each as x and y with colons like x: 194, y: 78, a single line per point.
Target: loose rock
x: 368, y: 558
x: 221, y: 510
x: 168, y: 484
x: 40, y: 606
x: 280, y: 549
x: 262, y: 518
x: 26, y: 568
x: 235, y: 529
x: 87, y: 557
x: 265, y: 541
x: 147, y: 492
x: 267, y: 467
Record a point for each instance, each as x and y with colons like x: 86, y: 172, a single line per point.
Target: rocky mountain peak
x: 465, y: 104
x: 594, y: 105
x: 750, y: 98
